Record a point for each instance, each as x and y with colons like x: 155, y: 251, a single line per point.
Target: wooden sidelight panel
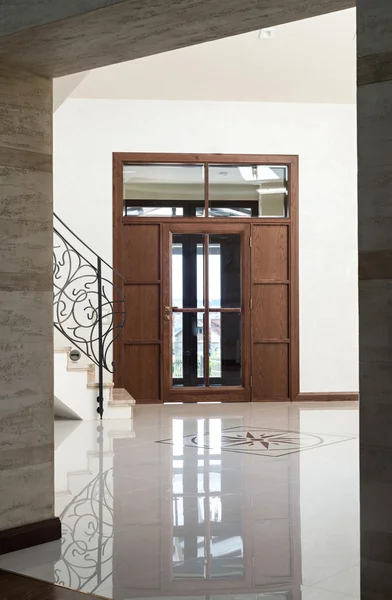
x: 270, y: 312
x: 143, y: 322
x: 141, y: 339
x: 270, y: 371
x: 142, y: 373
x: 141, y: 253
x: 270, y: 252
x: 271, y: 315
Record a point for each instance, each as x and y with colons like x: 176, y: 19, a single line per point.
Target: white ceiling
x: 313, y: 60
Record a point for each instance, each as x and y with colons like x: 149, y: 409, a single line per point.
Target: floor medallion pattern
x: 260, y: 441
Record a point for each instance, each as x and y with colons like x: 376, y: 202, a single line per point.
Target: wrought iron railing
x: 87, y: 533
x: 89, y: 309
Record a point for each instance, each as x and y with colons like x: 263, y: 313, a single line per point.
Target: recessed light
x: 267, y: 34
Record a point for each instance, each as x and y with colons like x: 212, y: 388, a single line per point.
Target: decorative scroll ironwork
x: 89, y: 309
x: 87, y: 542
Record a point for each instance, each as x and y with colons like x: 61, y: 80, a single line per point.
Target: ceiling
x: 56, y: 38
x: 313, y: 60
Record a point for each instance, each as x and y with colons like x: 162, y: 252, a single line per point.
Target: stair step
x: 63, y: 349
x: 106, y: 385
x: 63, y: 493
x: 76, y: 367
x: 121, y: 397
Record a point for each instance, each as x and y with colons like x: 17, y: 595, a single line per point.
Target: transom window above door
x: 205, y: 190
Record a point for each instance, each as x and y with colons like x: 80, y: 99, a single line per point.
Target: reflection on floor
x: 259, y: 502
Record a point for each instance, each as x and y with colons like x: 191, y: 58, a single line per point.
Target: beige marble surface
x: 26, y: 299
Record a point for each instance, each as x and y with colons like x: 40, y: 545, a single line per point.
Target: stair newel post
x: 100, y: 339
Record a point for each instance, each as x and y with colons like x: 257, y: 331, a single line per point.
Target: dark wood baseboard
x: 22, y: 587
x: 29, y: 535
x: 328, y: 397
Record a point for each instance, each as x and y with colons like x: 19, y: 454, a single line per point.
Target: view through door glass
x: 206, y: 310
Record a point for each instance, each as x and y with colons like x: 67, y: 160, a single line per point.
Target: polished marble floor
x: 251, y: 502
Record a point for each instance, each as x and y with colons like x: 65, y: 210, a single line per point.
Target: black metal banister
x: 89, y: 310
x: 86, y: 245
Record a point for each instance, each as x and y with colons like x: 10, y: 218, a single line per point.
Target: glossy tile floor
x: 255, y: 502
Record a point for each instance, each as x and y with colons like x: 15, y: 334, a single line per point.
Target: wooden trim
x: 175, y: 309
x: 206, y: 189
x: 130, y: 282
x: 154, y: 157
x: 118, y: 345
x: 166, y: 300
x: 246, y: 312
x: 276, y: 341
x: 161, y: 315
x: 208, y: 225
x: 327, y: 397
x: 26, y: 587
x: 219, y: 394
x: 271, y: 282
x: 215, y: 220
x: 294, y: 280
x: 31, y: 534
x: 200, y: 309
x: 142, y: 342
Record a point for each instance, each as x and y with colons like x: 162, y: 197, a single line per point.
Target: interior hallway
x: 203, y: 501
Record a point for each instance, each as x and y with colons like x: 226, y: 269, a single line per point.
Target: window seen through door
x: 200, y: 190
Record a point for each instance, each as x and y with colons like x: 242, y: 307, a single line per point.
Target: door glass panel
x: 188, y: 349
x: 191, y: 348
x: 225, y: 348
x: 188, y: 270
x: 163, y: 190
x: 248, y: 191
x: 224, y: 271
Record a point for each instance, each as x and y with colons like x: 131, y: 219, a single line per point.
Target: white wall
x: 87, y: 131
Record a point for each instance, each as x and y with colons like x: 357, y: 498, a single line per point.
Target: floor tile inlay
x: 262, y: 441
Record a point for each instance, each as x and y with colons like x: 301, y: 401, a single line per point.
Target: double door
x: 208, y: 311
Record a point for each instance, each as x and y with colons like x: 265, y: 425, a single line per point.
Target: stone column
x: 26, y: 313
x: 375, y: 293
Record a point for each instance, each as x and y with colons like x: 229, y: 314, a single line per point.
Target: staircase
x: 89, y: 314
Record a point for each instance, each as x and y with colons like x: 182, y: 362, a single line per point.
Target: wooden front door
x: 206, y: 312
x: 210, y: 277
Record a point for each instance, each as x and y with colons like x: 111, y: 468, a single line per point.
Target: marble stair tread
x: 95, y: 385
x: 121, y: 397
x: 62, y: 349
x: 71, y: 366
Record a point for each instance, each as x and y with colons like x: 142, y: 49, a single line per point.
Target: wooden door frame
x: 219, y: 393
x: 291, y: 161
